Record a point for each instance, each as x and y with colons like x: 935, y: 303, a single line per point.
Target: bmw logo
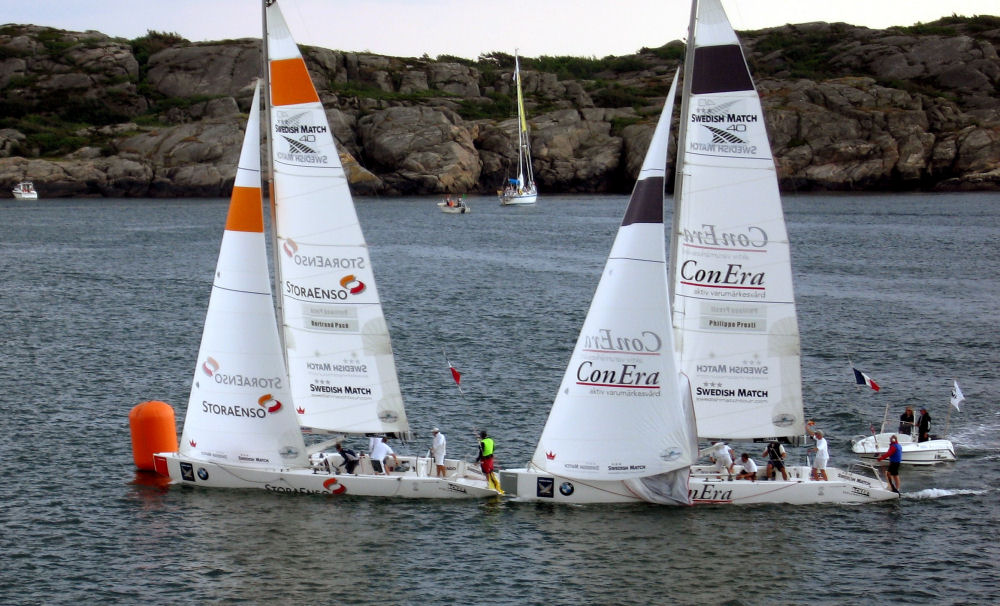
x: 202, y: 473
x: 566, y: 488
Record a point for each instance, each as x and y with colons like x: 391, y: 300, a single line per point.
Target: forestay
x: 239, y: 411
x: 734, y: 309
x: 340, y: 362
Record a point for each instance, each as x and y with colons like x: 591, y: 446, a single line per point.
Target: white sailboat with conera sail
x: 736, y: 328
x: 621, y: 427
x: 246, y: 415
x: 520, y: 190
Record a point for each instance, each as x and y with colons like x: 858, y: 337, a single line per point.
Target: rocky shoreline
x: 847, y: 109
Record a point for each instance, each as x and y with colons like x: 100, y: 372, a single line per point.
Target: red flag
x: 455, y: 374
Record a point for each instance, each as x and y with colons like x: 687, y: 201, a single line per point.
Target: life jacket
x: 487, y: 447
x: 896, y: 456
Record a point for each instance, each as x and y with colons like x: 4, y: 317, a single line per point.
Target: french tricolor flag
x: 863, y: 379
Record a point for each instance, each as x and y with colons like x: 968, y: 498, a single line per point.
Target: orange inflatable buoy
x: 153, y: 430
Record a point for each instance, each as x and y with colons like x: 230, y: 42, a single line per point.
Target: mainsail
x: 240, y: 411
x: 620, y: 412
x: 734, y: 309
x: 340, y: 362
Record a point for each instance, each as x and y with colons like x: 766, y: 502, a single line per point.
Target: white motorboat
x: 929, y: 452
x: 25, y: 190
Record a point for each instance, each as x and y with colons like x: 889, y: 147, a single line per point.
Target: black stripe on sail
x: 720, y: 69
x: 646, y: 203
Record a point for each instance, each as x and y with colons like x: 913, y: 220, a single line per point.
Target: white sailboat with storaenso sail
x: 621, y: 427
x: 246, y: 417
x: 736, y: 329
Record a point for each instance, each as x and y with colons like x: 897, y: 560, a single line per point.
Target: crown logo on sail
x: 265, y: 399
x: 550, y: 455
x: 210, y: 367
x: 192, y: 443
x: 300, y: 410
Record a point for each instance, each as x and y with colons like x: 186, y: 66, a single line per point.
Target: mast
x: 681, y: 160
x: 268, y: 177
x: 520, y: 121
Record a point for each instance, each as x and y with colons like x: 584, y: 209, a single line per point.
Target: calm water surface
x: 102, y: 308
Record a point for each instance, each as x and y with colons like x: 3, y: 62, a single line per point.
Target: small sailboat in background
x: 25, y: 190
x: 734, y: 316
x: 521, y: 190
x: 621, y: 428
x: 330, y: 370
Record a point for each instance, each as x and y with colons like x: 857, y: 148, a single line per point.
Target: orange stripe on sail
x: 290, y: 82
x: 245, y: 212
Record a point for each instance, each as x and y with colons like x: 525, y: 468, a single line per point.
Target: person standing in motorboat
x: 924, y: 426
x: 906, y: 422
x: 822, y: 452
x: 749, y: 471
x: 895, y: 456
x: 437, y: 451
x: 775, y: 454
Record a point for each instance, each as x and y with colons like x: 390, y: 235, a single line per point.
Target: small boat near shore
x: 25, y: 190
x: 454, y: 206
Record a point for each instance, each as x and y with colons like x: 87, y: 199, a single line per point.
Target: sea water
x: 102, y: 306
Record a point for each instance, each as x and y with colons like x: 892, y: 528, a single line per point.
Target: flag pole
x: 947, y: 419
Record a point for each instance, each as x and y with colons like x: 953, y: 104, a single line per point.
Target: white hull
x: 414, y: 483
x: 454, y: 210
x: 705, y: 488
x: 843, y: 488
x: 930, y: 452
x: 25, y: 190
x: 518, y: 199
x: 533, y: 485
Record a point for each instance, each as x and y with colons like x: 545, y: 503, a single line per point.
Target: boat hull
x: 453, y: 210
x: 704, y: 488
x: 26, y: 196
x: 518, y: 199
x: 532, y: 485
x: 844, y: 487
x: 412, y: 484
x: 930, y: 452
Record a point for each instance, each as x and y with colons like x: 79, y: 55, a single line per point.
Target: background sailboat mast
x: 268, y: 175
x: 680, y: 161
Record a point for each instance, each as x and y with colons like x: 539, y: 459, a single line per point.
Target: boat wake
x: 940, y: 493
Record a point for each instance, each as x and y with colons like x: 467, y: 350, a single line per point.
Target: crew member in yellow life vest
x: 485, y: 460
